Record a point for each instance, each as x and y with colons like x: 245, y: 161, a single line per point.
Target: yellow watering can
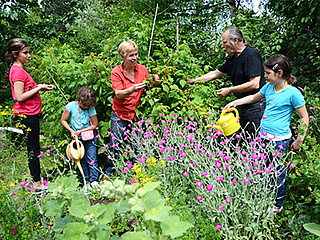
x: 228, y: 123
x: 75, y: 152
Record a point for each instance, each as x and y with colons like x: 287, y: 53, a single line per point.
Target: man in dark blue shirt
x: 246, y: 71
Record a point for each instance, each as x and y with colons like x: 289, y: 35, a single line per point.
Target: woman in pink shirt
x: 25, y: 92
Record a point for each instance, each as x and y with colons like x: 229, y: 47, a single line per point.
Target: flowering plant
x: 232, y: 180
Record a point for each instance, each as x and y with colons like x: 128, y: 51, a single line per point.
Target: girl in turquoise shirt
x: 283, y: 96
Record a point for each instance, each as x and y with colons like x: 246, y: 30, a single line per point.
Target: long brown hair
x: 280, y: 61
x: 14, y: 46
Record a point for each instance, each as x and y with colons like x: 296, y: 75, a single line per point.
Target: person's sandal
x: 39, y: 186
x: 277, y: 210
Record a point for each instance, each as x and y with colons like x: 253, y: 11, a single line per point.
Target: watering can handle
x: 229, y: 110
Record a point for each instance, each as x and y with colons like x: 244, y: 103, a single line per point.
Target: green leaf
x: 61, y: 223
x: 165, y: 88
x: 103, y: 234
x: 137, y: 236
x: 74, y: 231
x: 313, y: 228
x: 149, y: 186
x: 79, y: 206
x: 182, y: 82
x: 54, y: 208
x: 174, y: 227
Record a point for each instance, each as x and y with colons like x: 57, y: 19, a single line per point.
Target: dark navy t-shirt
x: 243, y: 67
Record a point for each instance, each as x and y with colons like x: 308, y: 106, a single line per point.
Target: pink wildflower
x: 132, y: 180
x: 185, y: 174
x: 199, y: 184
x: 292, y: 165
x: 220, y: 208
x: 23, y: 183
x: 218, y: 227
x: 228, y: 200
x: 234, y: 181
x: 209, y: 187
x: 199, y: 198
x: 246, y: 180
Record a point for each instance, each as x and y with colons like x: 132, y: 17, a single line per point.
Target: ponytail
x: 292, y: 80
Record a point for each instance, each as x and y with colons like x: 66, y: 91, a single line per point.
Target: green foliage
x: 75, y: 217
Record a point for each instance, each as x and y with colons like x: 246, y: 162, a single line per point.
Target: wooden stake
x: 57, y: 86
x: 177, y: 26
x: 154, y: 22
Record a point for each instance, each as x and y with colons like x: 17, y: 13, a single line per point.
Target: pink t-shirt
x: 31, y: 106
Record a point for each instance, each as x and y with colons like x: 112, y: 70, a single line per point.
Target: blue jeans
x: 89, y: 161
x: 282, y: 179
x: 117, y: 130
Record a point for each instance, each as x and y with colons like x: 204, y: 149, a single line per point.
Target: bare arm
x: 245, y: 100
x: 23, y: 96
x: 207, y: 77
x: 121, y: 94
x: 64, y: 122
x: 253, y: 84
x: 304, y: 117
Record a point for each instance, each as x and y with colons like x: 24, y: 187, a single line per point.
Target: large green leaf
x: 174, y: 227
x: 79, y: 206
x: 137, y: 236
x: 74, y: 231
x: 54, y: 207
x: 313, y: 228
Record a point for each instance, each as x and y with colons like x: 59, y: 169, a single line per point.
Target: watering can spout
x: 217, y: 127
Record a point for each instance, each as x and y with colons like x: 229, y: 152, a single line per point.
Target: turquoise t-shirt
x: 75, y: 111
x: 279, y: 108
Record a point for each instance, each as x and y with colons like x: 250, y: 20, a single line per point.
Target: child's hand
x: 75, y: 135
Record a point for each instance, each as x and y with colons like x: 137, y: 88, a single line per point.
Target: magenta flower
x: 218, y: 227
x: 264, y: 133
x: 45, y: 183
x: 234, y: 181
x: 30, y: 185
x: 209, y: 187
x: 311, y: 117
x: 185, y: 174
x: 103, y: 151
x: 267, y: 170
x: 125, y: 170
x: 228, y: 200
x: 199, y: 184
x: 204, y: 174
x: 246, y: 180
x: 218, y: 165
x: 23, y: 183
x: 14, y: 193
x: 199, y: 198
x: 132, y: 180
x: 91, y: 163
x: 243, y: 152
x: 97, y: 136
x: 220, y: 208
x: 48, y: 151
x: 264, y: 117
x: 40, y: 155
x: 292, y: 165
